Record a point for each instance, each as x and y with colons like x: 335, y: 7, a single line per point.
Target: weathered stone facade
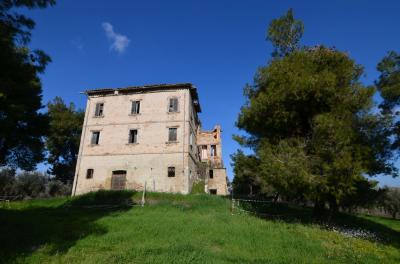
x: 157, y: 142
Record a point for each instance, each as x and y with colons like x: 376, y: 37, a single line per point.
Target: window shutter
x: 172, y: 134
x: 96, y: 113
x: 175, y: 104
x: 93, y: 141
x: 99, y: 109
x: 135, y: 107
x: 95, y: 138
x: 133, y: 136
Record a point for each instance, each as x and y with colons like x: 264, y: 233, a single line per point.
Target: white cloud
x: 119, y: 42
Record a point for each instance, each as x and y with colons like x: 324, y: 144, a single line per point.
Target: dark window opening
x: 173, y: 105
x: 135, y: 107
x: 99, y: 109
x: 171, y: 171
x: 213, y: 150
x: 133, y: 136
x: 89, y: 173
x: 95, y: 138
x: 213, y: 191
x: 172, y: 134
x: 211, y: 173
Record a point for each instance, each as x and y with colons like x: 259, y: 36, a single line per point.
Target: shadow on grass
x: 351, y: 225
x: 25, y: 230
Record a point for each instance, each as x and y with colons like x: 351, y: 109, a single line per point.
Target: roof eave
x: 145, y: 88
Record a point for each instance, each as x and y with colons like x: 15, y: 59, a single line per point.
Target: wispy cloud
x: 119, y: 42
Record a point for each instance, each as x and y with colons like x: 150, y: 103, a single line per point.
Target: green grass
x: 388, y: 222
x: 178, y: 229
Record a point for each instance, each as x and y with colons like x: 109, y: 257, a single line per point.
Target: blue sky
x: 216, y: 45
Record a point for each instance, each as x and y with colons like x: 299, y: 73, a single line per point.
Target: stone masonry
x: 148, y: 136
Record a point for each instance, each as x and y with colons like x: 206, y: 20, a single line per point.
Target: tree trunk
x: 333, y: 208
x: 318, y: 209
x: 276, y: 197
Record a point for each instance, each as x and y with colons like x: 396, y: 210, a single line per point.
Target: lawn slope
x: 174, y: 229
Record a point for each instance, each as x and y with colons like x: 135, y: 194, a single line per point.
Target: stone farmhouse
x: 148, y: 137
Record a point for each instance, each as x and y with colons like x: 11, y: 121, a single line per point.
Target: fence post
x: 232, y: 202
x: 144, y: 191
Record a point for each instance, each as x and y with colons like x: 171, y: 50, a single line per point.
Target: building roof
x: 148, y: 88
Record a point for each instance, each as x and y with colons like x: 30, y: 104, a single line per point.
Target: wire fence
x: 10, y: 197
x: 6, y: 199
x: 263, y: 208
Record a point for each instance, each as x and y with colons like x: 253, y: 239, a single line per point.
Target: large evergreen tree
x: 22, y: 126
x: 389, y: 87
x: 310, y: 123
x: 63, y: 140
x: 285, y: 34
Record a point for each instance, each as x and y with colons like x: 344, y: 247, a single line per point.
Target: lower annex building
x: 148, y: 137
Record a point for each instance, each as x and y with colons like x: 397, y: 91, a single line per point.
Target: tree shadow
x: 348, y: 224
x: 58, y: 228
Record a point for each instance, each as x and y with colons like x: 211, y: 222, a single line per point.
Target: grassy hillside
x: 177, y: 229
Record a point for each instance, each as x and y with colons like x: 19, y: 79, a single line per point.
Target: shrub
x: 391, y: 202
x: 58, y: 188
x: 7, y: 182
x: 198, y: 187
x: 31, y: 184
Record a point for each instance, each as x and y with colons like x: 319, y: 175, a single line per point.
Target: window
x: 95, y: 138
x: 204, y: 152
x: 191, y: 141
x: 173, y: 105
x: 211, y: 174
x: 133, y: 136
x: 172, y: 134
x: 135, y: 107
x: 171, y: 171
x: 213, y: 191
x: 213, y: 151
x: 99, y: 109
x: 89, y: 173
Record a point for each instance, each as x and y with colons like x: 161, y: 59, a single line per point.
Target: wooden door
x: 118, y: 180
